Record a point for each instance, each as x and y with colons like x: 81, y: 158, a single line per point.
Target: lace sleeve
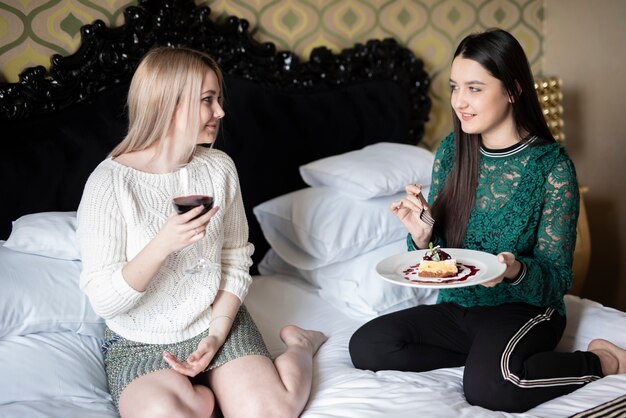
x: 549, y: 274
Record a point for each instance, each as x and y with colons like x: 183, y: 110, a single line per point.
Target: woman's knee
x: 478, y: 396
x: 501, y: 400
x: 479, y: 386
x: 363, y: 348
x: 199, y: 402
x: 494, y: 394
x: 271, y: 407
x: 166, y: 405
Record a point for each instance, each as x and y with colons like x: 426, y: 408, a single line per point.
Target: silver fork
x: 427, y: 218
x: 425, y: 214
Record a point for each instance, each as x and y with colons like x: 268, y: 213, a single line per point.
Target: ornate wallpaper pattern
x: 32, y: 30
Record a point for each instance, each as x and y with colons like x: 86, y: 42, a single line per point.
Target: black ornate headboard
x: 282, y: 112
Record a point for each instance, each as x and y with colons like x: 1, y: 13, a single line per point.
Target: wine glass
x: 184, y: 201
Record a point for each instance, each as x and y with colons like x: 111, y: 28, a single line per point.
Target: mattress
x: 51, y: 365
x: 340, y: 390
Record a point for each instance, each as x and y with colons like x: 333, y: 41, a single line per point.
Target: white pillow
x: 50, y: 234
x: 60, y: 366
x: 314, y: 227
x: 41, y: 294
x: 380, y: 169
x: 353, y: 286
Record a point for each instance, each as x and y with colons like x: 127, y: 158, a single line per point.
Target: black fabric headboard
x: 57, y: 125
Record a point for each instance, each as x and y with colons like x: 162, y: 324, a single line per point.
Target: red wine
x: 184, y: 204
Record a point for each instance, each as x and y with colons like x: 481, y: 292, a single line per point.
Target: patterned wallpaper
x: 31, y: 30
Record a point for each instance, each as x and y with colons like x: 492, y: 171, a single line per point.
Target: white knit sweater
x: 122, y: 209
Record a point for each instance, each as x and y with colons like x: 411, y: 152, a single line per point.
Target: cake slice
x: 437, y: 263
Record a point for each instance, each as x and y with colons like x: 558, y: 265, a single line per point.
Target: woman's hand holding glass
x: 192, y: 227
x: 414, y: 213
x: 185, y: 229
x: 199, y: 202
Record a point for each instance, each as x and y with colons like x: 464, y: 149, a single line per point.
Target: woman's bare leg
x: 612, y: 357
x: 167, y: 394
x: 254, y: 386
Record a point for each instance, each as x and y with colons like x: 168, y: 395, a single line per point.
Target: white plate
x: 394, y: 269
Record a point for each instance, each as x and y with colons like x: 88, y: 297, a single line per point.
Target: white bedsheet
x: 40, y: 368
x: 340, y: 390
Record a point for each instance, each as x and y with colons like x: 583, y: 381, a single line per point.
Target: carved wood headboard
x: 58, y: 124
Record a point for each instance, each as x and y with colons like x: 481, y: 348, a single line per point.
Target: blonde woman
x: 180, y: 345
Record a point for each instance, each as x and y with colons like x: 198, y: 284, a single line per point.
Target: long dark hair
x: 498, y: 52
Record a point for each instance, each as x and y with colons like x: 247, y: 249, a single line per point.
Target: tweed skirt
x: 126, y: 360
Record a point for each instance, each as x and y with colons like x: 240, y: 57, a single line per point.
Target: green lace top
x: 527, y: 203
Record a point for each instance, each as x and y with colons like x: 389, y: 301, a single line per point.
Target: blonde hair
x: 165, y: 78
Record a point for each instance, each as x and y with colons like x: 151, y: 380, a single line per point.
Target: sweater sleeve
x: 236, y: 258
x: 101, y: 235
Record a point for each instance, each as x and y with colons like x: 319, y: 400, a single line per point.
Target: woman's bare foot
x: 294, y: 335
x: 612, y: 357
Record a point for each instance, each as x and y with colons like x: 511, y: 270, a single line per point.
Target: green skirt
x: 126, y: 360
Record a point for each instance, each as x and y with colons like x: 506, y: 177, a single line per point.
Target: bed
x: 321, y: 147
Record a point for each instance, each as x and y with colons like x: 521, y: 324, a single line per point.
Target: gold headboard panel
x: 550, y: 96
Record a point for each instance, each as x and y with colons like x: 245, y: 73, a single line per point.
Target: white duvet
x: 60, y: 374
x: 340, y: 390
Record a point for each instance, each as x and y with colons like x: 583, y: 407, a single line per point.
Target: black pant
x: 507, y: 351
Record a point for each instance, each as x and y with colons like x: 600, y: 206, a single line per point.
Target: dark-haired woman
x: 502, y: 185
